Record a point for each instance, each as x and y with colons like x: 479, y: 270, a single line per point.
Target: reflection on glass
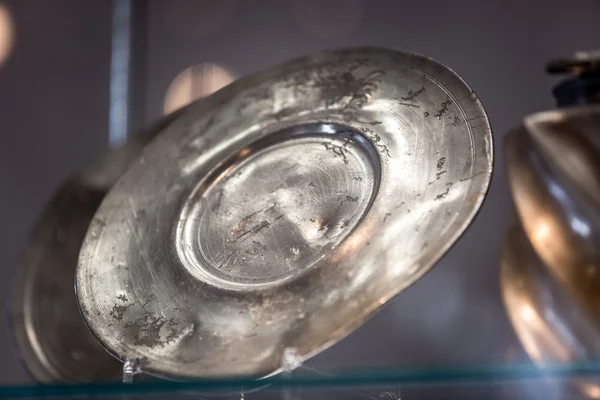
x: 195, y: 83
x: 592, y: 391
x: 542, y: 232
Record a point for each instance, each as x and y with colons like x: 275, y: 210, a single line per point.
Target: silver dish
x: 280, y: 213
x: 554, y: 172
x: 551, y: 325
x: 51, y: 336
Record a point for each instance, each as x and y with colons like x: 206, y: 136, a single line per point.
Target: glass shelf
x: 523, y: 381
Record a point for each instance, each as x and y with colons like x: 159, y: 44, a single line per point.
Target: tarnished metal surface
x: 550, y: 324
x: 52, y: 338
x: 284, y: 210
x: 554, y: 172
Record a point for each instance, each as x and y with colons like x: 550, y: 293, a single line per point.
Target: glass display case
x: 75, y: 78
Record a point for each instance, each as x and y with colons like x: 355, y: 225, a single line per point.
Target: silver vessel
x: 283, y: 211
x: 551, y: 262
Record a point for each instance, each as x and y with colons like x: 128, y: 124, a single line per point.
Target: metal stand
x: 131, y: 368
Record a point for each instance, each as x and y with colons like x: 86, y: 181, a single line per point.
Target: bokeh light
x: 6, y: 33
x: 195, y: 83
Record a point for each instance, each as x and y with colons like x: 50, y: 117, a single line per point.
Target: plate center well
x: 276, y: 208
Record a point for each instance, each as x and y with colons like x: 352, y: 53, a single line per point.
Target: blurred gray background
x: 54, y: 108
